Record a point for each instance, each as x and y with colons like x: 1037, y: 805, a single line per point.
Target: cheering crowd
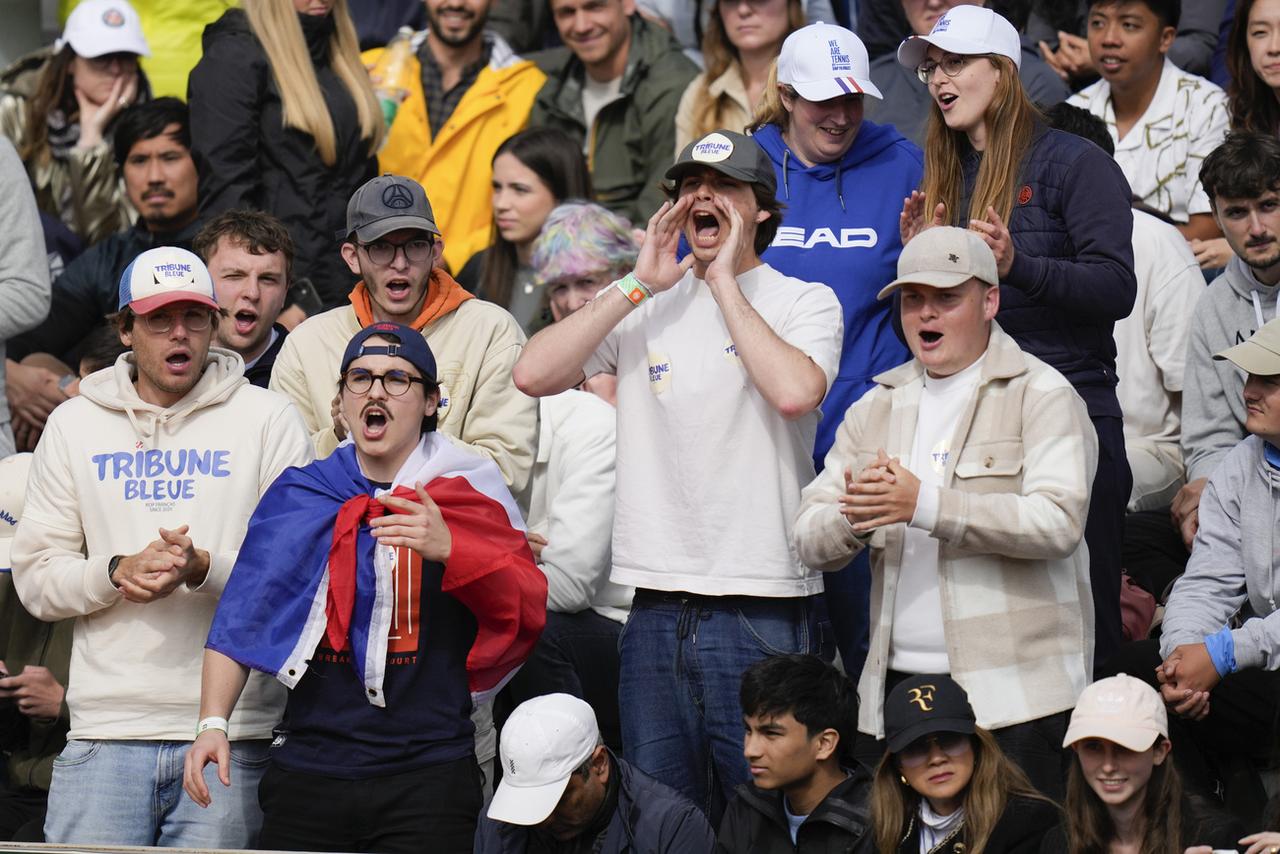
x: 630, y: 425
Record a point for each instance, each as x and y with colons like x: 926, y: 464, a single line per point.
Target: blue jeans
x: 130, y: 793
x: 682, y: 663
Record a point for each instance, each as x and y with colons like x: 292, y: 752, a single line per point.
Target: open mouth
x: 178, y: 362
x: 398, y: 289
x: 245, y: 321
x: 946, y: 99
x: 930, y: 339
x: 706, y: 228
x: 374, y: 421
x: 1110, y: 63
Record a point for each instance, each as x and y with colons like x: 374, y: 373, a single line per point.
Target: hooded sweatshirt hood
x: 840, y: 227
x: 113, y: 388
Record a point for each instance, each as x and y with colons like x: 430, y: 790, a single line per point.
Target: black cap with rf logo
x: 922, y: 705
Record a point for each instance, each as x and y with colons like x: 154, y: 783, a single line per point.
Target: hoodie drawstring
x: 839, y: 188
x: 786, y: 181
x: 786, y: 184
x: 1257, y: 309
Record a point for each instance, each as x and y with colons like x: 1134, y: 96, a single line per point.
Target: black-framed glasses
x: 383, y: 252
x: 951, y: 65
x: 394, y: 383
x: 918, y: 752
x: 193, y: 320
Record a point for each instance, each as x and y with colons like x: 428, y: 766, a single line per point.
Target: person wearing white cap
x: 965, y: 473
x: 1123, y: 790
x: 906, y: 100
x: 34, y: 656
x: 75, y: 90
x: 140, y: 493
x: 562, y: 790
x: 1055, y: 211
x: 839, y: 177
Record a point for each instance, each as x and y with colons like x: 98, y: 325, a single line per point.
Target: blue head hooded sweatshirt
x: 840, y: 227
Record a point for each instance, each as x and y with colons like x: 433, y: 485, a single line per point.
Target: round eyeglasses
x: 383, y: 252
x: 193, y: 320
x: 951, y: 65
x: 918, y: 752
x: 394, y: 383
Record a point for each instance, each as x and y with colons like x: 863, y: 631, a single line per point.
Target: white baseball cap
x: 98, y: 27
x: 14, y: 470
x: 164, y: 275
x: 967, y: 31
x: 544, y: 741
x: 824, y: 61
x: 1119, y: 708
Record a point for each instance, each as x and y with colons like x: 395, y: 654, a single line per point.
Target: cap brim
x: 928, y: 727
x: 912, y: 51
x: 146, y: 305
x: 1252, y: 358
x: 835, y: 87
x: 934, y: 280
x: 526, y: 805
x: 680, y: 168
x: 1134, y: 738
x: 385, y: 226
x: 90, y: 48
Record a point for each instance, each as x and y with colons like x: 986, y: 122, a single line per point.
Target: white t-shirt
x: 1161, y: 154
x: 709, y: 474
x: 594, y: 96
x: 1151, y: 342
x: 918, y: 644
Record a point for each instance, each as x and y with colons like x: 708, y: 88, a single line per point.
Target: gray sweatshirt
x: 24, y: 267
x: 1230, y: 310
x: 1233, y: 565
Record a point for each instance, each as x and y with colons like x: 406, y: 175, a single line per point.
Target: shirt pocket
x: 993, y: 466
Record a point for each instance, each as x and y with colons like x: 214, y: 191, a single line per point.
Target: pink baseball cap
x: 164, y: 275
x: 1122, y: 709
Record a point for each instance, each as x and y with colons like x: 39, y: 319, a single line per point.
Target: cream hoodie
x: 110, y: 471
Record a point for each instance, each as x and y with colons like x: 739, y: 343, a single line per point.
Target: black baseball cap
x: 412, y: 347
x: 386, y: 204
x: 923, y: 705
x: 734, y: 154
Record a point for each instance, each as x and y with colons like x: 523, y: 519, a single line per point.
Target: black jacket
x: 1202, y: 824
x: 249, y: 159
x: 650, y: 819
x: 87, y: 291
x: 755, y: 822
x: 1021, y: 830
x: 260, y: 373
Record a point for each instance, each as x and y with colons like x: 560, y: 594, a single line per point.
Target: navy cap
x: 411, y: 347
x: 923, y: 705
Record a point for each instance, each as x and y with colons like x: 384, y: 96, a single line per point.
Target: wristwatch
x: 112, y: 567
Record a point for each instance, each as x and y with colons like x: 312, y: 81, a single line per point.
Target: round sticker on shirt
x: 659, y: 372
x: 442, y: 408
x: 712, y: 148
x: 730, y: 351
x: 939, y: 455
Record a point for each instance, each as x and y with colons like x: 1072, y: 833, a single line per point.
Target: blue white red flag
x: 278, y: 603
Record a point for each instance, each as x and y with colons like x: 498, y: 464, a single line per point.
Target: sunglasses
x: 918, y: 752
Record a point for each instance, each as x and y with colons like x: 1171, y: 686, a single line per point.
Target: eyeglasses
x: 193, y: 320
x: 918, y: 752
x: 123, y: 60
x: 394, y: 383
x: 383, y: 252
x: 951, y: 65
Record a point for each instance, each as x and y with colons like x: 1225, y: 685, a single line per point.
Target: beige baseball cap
x: 1260, y: 354
x: 944, y: 257
x: 1119, y: 708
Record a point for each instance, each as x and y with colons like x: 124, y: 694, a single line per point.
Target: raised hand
x: 996, y: 235
x: 723, y: 270
x: 912, y: 220
x: 656, y: 265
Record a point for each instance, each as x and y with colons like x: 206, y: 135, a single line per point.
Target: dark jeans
x: 1035, y: 746
x: 433, y: 809
x: 1104, y: 533
x: 1153, y: 551
x: 22, y: 814
x: 577, y: 654
x: 1239, y: 731
x: 848, y: 596
x: 682, y: 662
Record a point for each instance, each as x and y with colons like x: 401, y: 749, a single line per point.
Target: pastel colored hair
x: 582, y: 238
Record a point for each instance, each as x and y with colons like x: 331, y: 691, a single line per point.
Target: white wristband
x: 209, y: 723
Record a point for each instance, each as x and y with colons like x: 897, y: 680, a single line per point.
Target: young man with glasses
x: 137, y: 503
x: 966, y: 472
x: 392, y: 242
x: 386, y: 586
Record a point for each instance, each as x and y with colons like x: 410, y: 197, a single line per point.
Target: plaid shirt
x: 1013, y: 568
x: 441, y: 104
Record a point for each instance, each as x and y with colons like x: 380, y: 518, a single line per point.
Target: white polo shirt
x: 1161, y: 154
x: 708, y: 473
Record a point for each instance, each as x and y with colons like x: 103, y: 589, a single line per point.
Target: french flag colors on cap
x: 165, y: 275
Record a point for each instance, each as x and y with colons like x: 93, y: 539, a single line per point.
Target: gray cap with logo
x: 386, y: 204
x: 944, y: 257
x: 729, y: 153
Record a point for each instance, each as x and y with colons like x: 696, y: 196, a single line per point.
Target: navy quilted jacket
x: 1072, y: 274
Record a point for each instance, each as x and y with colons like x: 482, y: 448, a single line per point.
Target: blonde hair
x: 275, y: 23
x: 720, y: 54
x: 771, y: 110
x: 1011, y: 120
x: 994, y: 782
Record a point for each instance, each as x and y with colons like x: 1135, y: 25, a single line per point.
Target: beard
x: 456, y: 40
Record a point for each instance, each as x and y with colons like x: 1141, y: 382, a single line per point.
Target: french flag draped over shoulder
x: 274, y: 610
